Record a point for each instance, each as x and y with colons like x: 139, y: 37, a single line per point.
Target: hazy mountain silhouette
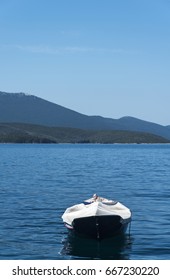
x: 22, y: 108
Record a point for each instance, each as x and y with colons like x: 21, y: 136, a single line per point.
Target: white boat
x: 97, y: 218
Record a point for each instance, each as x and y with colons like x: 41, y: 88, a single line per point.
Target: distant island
x: 28, y: 133
x: 30, y: 119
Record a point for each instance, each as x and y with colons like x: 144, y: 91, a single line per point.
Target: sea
x: 39, y: 181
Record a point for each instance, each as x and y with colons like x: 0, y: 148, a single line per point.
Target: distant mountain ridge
x: 30, y: 109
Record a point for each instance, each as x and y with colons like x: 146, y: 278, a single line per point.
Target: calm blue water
x: 38, y: 182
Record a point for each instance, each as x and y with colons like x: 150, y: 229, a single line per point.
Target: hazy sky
x: 98, y: 57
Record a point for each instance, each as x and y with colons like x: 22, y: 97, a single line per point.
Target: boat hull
x: 100, y: 227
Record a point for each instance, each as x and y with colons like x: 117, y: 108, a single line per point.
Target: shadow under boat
x: 117, y: 248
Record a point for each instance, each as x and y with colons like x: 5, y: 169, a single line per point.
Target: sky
x: 97, y: 57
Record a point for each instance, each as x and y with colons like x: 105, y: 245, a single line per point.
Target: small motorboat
x: 97, y: 218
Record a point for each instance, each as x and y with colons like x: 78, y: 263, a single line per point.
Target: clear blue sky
x: 98, y: 57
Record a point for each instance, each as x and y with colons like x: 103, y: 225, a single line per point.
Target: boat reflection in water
x: 117, y: 248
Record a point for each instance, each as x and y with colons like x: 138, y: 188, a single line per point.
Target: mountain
x: 28, y: 133
x: 135, y: 124
x: 29, y: 109
x: 22, y: 108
